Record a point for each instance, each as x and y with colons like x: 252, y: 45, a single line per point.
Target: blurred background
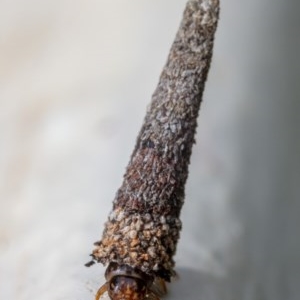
x: 75, y: 80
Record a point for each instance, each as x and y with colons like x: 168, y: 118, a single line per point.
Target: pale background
x: 75, y: 80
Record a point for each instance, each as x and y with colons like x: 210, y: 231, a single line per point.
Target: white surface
x: 75, y: 79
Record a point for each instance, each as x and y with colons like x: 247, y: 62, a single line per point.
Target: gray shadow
x: 195, y: 285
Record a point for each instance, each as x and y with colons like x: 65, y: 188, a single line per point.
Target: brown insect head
x: 126, y: 283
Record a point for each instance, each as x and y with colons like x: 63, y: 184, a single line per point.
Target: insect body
x: 141, y: 234
x: 126, y: 283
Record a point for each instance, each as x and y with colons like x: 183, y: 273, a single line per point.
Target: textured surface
x: 143, y: 228
x: 75, y: 80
